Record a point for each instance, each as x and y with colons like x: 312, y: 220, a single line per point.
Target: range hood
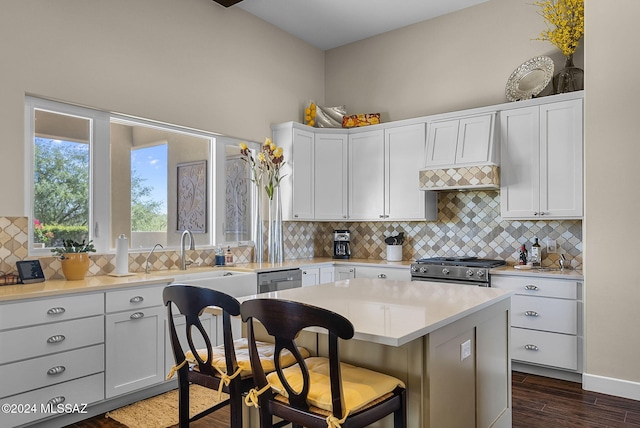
x: 463, y: 177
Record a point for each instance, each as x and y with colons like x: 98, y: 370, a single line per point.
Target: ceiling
x: 327, y: 24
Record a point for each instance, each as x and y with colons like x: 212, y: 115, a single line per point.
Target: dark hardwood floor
x: 538, y: 402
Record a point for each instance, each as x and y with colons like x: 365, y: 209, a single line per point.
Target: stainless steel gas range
x: 459, y: 270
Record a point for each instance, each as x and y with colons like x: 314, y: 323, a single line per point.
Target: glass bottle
x: 535, y: 253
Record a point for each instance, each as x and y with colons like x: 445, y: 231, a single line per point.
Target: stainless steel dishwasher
x: 277, y: 280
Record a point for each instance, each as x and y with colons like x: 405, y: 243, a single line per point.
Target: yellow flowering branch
x: 565, y: 23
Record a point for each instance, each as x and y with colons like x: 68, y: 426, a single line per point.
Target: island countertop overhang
x: 394, y: 313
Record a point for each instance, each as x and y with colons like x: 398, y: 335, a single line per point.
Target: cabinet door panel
x: 441, y: 144
x: 549, y: 349
x: 366, y: 176
x: 519, y: 162
x: 51, y: 338
x: 543, y: 313
x: 474, y: 140
x: 302, y: 166
x: 86, y: 390
x: 561, y: 159
x: 310, y: 276
x: 134, y: 350
x: 330, y: 184
x: 404, y: 150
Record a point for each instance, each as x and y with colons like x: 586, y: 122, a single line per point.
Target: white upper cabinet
x: 461, y: 141
x: 302, y: 165
x: 404, y: 148
x: 541, y: 173
x: 296, y: 186
x: 330, y: 156
x: 366, y: 175
x: 383, y: 175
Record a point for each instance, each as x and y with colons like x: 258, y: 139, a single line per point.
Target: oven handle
x: 450, y: 281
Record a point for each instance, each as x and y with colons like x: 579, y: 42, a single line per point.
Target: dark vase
x: 569, y: 79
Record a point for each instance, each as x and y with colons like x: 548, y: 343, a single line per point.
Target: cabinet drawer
x: 545, y: 287
x: 543, y: 313
x: 46, y: 339
x: 549, y: 349
x: 44, y: 371
x: 22, y: 314
x: 400, y: 274
x: 134, y: 298
x: 42, y: 402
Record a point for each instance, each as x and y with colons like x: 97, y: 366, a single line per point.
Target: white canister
x: 122, y: 255
x: 394, y: 253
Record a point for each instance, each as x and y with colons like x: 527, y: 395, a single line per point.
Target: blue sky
x: 150, y: 163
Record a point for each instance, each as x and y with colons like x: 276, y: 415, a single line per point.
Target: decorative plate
x: 529, y: 79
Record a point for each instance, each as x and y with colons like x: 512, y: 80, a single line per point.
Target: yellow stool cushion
x: 265, y: 350
x: 359, y: 386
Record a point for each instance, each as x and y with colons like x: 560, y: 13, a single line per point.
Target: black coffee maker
x: 341, y: 244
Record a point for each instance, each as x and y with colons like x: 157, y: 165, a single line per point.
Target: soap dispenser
x: 228, y: 257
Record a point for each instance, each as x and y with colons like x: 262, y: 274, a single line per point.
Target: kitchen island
x: 449, y: 343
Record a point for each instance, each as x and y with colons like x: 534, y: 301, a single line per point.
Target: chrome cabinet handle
x: 136, y: 299
x: 531, y: 347
x: 56, y: 370
x: 531, y: 287
x: 381, y: 216
x: 531, y: 313
x: 137, y: 316
x: 56, y: 311
x: 56, y: 339
x: 382, y: 275
x: 55, y: 401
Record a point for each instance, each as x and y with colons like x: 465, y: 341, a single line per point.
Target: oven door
x: 451, y: 281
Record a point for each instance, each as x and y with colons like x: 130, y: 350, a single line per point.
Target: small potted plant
x: 74, y: 258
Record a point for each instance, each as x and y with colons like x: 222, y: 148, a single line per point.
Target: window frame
x: 100, y: 171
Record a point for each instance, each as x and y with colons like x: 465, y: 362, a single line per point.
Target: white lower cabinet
x: 314, y: 275
x: 135, y: 347
x: 546, y: 320
x: 382, y: 272
x: 51, y: 356
x: 310, y: 276
x: 344, y: 272
x: 56, y: 399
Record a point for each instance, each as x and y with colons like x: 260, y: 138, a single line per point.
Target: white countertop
x: 394, y: 312
x: 539, y: 272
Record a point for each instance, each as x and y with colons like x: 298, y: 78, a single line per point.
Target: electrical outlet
x: 465, y: 350
x: 552, y: 248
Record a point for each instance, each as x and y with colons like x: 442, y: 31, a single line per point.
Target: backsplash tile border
x: 469, y: 224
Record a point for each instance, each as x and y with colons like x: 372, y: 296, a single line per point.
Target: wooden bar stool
x: 225, y: 368
x: 317, y: 392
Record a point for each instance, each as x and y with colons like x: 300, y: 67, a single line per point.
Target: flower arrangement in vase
x: 565, y: 28
x: 265, y: 173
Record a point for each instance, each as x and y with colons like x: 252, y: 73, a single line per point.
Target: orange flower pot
x: 75, y: 265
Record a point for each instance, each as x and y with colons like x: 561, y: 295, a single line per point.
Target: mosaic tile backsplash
x: 469, y: 224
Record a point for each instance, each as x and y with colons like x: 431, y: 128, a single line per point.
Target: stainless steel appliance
x: 278, y: 280
x: 459, y: 270
x: 341, y: 244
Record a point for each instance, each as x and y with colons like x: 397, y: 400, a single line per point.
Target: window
x: 95, y: 175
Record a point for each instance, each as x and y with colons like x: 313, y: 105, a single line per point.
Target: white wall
x: 457, y: 61
x: 612, y: 198
x: 188, y: 62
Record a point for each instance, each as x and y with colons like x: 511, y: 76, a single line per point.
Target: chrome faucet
x: 183, y: 258
x: 146, y: 269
